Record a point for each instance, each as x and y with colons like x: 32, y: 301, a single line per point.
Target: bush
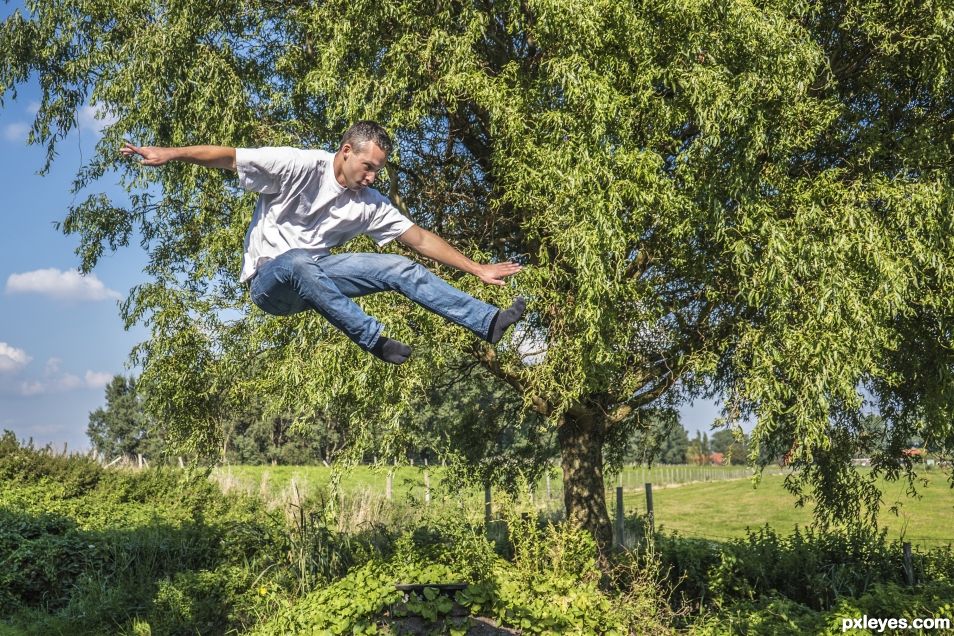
x: 779, y: 616
x: 809, y: 567
x: 95, y: 549
x: 551, y: 586
x: 74, y: 475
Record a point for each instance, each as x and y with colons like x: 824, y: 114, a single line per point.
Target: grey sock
x: 505, y: 318
x: 393, y: 351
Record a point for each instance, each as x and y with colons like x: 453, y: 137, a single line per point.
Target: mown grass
x: 705, y: 502
x: 720, y: 510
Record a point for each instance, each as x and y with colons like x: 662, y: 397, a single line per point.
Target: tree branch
x: 488, y: 358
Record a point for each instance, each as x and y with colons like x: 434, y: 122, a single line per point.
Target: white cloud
x: 95, y: 118
x: 52, y: 366
x: 97, y: 379
x: 65, y: 382
x: 12, y: 359
x: 62, y: 285
x: 16, y: 131
x: 33, y: 107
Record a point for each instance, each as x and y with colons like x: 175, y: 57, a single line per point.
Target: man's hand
x: 207, y: 156
x: 494, y: 273
x: 150, y: 155
x: 432, y: 246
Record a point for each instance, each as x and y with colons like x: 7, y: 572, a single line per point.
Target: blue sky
x: 61, y: 338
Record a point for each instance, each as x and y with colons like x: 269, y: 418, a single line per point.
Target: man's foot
x: 389, y: 350
x: 505, y: 318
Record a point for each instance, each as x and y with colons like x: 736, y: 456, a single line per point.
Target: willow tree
x: 748, y: 199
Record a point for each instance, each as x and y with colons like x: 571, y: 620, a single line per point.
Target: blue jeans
x: 295, y: 281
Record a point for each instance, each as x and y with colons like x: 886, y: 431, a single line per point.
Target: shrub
x: 809, y: 567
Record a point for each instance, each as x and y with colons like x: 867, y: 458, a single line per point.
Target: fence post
x: 487, y: 506
x: 549, y: 492
x: 908, y: 563
x: 649, y: 508
x: 427, y: 487
x: 619, y: 517
x: 389, y: 484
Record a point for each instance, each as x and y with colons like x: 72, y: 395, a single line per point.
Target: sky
x: 61, y: 336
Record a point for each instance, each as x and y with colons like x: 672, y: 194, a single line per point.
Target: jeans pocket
x: 273, y: 304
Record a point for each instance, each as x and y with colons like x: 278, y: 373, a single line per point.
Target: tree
x: 122, y: 428
x: 735, y: 198
x: 731, y: 444
x: 662, y: 439
x: 481, y: 428
x: 699, y: 451
x: 675, y: 446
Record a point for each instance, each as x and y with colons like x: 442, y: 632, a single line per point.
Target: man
x: 310, y: 201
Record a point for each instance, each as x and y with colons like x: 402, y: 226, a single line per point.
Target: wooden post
x: 649, y: 508
x: 427, y: 486
x: 181, y: 463
x: 908, y: 563
x: 389, y: 485
x: 619, y: 517
x: 487, y: 506
x: 549, y: 492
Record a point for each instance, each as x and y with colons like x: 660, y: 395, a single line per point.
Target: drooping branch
x: 487, y: 357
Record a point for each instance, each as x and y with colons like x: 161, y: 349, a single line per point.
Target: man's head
x: 362, y: 155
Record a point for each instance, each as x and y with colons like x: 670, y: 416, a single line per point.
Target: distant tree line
x: 489, y: 433
x: 122, y: 427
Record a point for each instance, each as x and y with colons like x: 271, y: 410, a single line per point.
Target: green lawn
x: 709, y: 502
x: 724, y: 509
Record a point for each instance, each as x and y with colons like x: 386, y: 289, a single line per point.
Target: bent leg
x: 294, y: 282
x: 359, y: 274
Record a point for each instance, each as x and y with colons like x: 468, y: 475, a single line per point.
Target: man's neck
x: 337, y: 166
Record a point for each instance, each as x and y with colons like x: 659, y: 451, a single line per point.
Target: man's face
x: 361, y: 167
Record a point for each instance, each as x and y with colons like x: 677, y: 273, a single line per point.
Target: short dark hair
x: 364, y: 131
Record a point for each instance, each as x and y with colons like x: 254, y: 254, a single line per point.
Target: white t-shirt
x: 302, y: 205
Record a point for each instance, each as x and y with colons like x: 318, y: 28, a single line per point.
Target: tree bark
x: 581, y: 436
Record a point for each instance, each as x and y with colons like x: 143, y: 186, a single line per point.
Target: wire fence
x: 688, y: 485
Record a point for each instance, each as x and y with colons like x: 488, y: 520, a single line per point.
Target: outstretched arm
x: 432, y: 246
x: 207, y: 156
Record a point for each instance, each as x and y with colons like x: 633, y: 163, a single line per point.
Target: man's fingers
x: 128, y: 150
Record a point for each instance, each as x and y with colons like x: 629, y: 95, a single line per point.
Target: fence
x: 626, y: 495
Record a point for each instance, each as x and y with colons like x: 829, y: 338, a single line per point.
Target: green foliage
x: 161, y: 551
x: 808, y: 568
x: 89, y: 550
x: 481, y: 428
x: 72, y: 476
x: 661, y: 439
x: 779, y: 616
x: 551, y: 586
x: 122, y: 428
x: 750, y: 199
x: 731, y: 444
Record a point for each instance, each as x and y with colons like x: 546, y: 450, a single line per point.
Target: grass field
x: 706, y: 502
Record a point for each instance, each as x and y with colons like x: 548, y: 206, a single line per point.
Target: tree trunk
x: 581, y: 437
